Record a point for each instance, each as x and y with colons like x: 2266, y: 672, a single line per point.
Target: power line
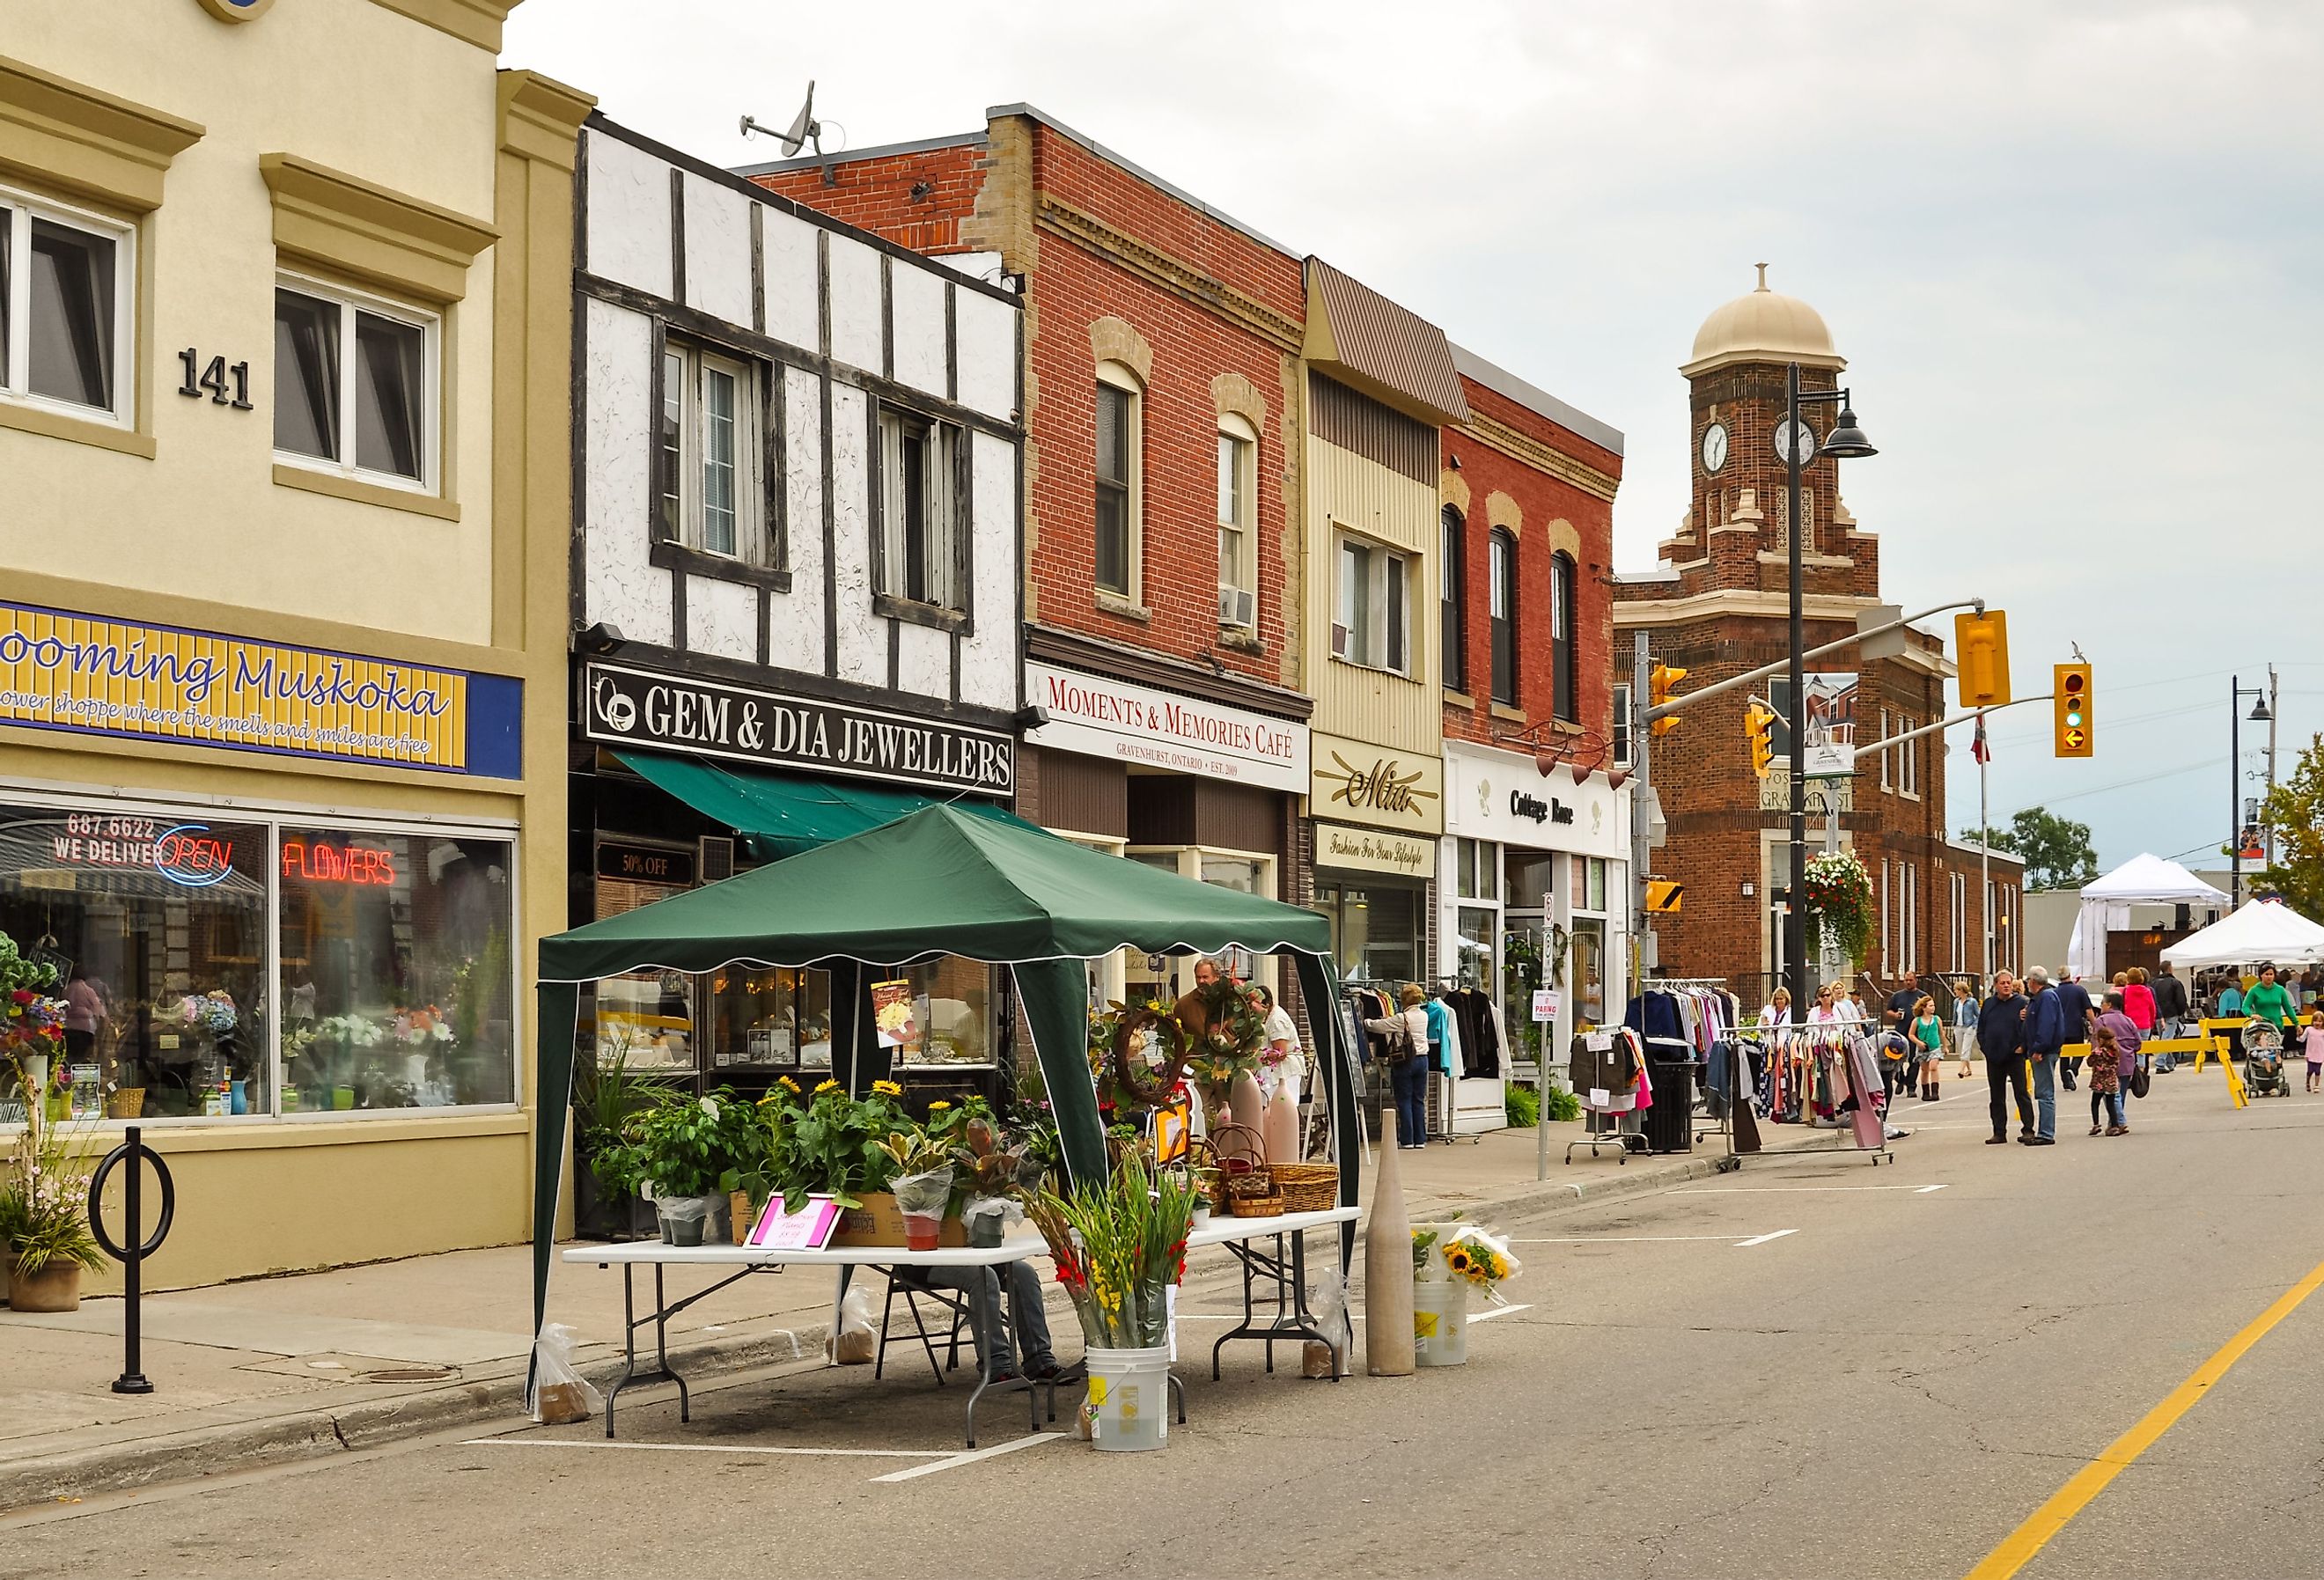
x: 2122, y: 784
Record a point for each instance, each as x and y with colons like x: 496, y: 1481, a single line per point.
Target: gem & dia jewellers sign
x: 711, y: 718
x: 1379, y: 786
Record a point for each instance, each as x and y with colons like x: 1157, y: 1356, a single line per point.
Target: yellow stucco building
x: 285, y: 386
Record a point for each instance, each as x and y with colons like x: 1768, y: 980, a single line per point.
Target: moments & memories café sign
x: 743, y: 723
x: 87, y: 675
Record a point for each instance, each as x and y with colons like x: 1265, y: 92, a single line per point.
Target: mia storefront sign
x: 92, y: 676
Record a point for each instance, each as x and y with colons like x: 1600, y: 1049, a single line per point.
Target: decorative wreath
x: 1217, y: 1023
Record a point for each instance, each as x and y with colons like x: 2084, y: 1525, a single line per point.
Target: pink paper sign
x: 808, y: 1229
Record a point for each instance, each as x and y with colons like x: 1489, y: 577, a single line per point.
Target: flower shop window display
x: 397, y: 971
x: 45, y: 1229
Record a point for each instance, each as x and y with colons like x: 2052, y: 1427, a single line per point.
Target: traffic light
x: 2073, y: 710
x: 1661, y: 684
x: 1759, y: 728
x: 1981, y: 644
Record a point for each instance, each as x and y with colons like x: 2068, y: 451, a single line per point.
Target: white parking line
x: 1623, y: 1239
x: 1927, y: 1188
x: 1763, y: 1239
x: 1782, y: 1189
x: 954, y: 1462
x: 707, y: 1448
x: 1499, y: 1311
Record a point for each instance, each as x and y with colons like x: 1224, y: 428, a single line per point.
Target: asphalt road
x: 1803, y: 1369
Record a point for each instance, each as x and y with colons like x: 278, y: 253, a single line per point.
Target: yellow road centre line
x: 2021, y: 1545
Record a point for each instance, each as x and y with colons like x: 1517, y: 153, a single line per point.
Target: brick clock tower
x: 1718, y: 604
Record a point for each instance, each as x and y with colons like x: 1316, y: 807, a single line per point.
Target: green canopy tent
x: 939, y: 881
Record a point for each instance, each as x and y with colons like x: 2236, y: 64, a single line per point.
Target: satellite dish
x: 804, y: 127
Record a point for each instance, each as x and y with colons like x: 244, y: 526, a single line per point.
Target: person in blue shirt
x: 2046, y: 1034
x: 2001, y: 1039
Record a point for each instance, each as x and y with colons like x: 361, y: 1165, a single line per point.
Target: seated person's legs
x: 1030, y: 1319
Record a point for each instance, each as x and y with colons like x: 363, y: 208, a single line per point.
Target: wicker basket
x: 1255, y: 1206
x: 1307, y: 1187
x: 125, y: 1103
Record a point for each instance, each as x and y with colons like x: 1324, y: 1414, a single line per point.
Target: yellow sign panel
x: 1664, y: 896
x: 1380, y: 786
x: 88, y: 675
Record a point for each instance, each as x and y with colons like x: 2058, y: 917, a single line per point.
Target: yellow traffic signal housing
x: 2073, y: 710
x: 1661, y: 685
x: 1759, y: 728
x: 1981, y: 646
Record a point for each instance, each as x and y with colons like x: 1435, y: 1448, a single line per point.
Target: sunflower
x: 938, y: 1106
x: 887, y: 1088
x: 823, y: 1086
x: 787, y: 1081
x: 1457, y: 1259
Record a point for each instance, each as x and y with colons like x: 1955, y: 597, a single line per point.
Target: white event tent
x: 2143, y: 880
x: 2264, y: 930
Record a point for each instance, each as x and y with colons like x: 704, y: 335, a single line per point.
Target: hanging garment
x: 1606, y: 1079
x: 1481, y: 1037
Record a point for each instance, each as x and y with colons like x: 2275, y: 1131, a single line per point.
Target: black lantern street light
x: 2237, y: 692
x: 1795, y: 442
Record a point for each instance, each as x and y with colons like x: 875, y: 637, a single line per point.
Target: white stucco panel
x: 621, y: 588
x: 862, y: 635
x: 718, y: 250
x: 793, y: 284
x: 795, y: 639
x: 629, y: 215
x: 854, y: 304
x: 915, y: 300
x: 722, y: 618
x: 923, y: 661
x: 987, y: 333
x: 990, y: 673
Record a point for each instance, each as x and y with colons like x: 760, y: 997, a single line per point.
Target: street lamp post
x: 2237, y: 692
x: 1797, y: 447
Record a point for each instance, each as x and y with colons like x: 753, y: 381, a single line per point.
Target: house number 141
x: 213, y: 380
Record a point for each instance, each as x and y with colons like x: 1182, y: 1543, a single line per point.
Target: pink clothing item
x: 2312, y: 1041
x: 2138, y: 1004
x: 84, y: 1009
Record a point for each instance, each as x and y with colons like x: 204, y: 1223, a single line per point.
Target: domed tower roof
x: 1763, y: 325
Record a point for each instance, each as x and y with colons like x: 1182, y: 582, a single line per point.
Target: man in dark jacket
x: 2046, y: 1034
x: 2001, y: 1039
x: 2076, y: 1012
x: 2170, y: 1014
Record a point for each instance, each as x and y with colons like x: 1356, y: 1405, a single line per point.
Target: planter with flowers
x: 1449, y: 1262
x: 32, y: 1026
x: 44, y: 1210
x: 1840, y: 905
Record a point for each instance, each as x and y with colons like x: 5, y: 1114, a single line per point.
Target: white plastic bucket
x: 1440, y: 1322
x: 1129, y: 1399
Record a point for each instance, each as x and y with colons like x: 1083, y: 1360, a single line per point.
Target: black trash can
x: 1670, y: 1123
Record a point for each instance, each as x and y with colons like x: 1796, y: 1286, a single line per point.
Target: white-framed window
x: 1887, y: 780
x: 920, y: 535
x: 1502, y: 605
x: 1957, y: 886
x: 1238, y: 524
x: 1908, y: 761
x: 711, y: 490
x: 1912, y: 961
x: 356, y: 385
x: 1120, y: 480
x: 1371, y: 621
x: 1621, y: 745
x: 67, y: 278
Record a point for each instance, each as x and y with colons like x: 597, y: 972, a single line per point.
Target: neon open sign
x: 193, y: 857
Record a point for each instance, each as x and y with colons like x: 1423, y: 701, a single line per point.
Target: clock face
x: 1794, y: 435
x: 1714, y: 447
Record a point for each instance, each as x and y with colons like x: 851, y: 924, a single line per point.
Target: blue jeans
x: 1410, y: 1080
x: 2044, y: 1066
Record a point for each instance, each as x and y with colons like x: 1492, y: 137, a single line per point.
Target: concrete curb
x: 496, y: 1399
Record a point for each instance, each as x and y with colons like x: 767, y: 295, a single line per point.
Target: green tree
x: 2056, y: 850
x: 2293, y: 811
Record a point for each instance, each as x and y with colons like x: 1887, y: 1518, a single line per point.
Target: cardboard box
x: 880, y: 1222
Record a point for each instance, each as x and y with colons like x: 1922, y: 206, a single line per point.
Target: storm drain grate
x: 409, y: 1374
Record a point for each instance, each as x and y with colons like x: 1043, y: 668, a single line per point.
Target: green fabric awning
x: 789, y: 814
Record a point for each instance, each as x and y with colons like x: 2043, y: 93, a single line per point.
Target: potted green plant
x: 606, y: 1093
x: 43, y: 1211
x: 682, y: 1152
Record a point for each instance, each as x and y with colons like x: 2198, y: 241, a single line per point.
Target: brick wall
x: 915, y: 199
x: 1547, y: 506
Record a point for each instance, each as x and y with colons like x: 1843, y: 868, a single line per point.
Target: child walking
x: 2311, y: 1042
x: 1928, y: 1046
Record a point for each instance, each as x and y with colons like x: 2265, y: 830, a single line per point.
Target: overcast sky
x: 2072, y: 249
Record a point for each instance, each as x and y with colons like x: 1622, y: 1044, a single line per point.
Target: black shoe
x: 1997, y: 1141
x: 1046, y: 1371
x: 2042, y: 1141
x: 2026, y: 1140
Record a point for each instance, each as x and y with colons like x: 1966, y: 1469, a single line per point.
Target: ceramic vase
x: 1247, y: 1105
x: 1388, y: 1265
x: 1282, y: 1127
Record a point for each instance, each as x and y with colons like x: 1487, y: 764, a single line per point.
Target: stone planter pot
x: 55, y: 1288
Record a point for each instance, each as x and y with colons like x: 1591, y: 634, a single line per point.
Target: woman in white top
x: 1777, y: 1010
x: 1409, y: 1078
x: 1846, y: 1006
x: 1286, y: 1064
x: 1826, y: 1010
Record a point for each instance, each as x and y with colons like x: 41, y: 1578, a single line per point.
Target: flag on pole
x: 1978, y: 748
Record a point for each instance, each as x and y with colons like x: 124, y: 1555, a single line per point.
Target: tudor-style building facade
x: 1717, y: 606
x: 795, y: 581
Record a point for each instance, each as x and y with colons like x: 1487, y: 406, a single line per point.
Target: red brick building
x: 1717, y: 606
x: 1535, y: 853
x: 1162, y: 532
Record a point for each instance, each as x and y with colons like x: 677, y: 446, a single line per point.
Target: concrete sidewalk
x: 284, y: 1368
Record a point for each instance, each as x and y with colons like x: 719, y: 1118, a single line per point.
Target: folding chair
x: 913, y: 1294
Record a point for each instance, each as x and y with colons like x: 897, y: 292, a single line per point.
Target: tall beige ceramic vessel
x: 1388, y: 1265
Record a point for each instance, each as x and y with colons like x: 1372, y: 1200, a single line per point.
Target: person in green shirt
x: 2269, y: 1000
x: 1928, y: 1034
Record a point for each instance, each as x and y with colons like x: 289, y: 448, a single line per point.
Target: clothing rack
x: 1684, y: 1049
x: 1830, y: 1039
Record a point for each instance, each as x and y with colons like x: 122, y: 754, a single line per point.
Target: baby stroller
x: 2263, y: 1060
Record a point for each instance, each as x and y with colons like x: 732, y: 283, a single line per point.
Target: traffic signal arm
x: 1661, y: 710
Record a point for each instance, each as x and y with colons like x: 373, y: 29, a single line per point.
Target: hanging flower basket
x: 1840, y: 905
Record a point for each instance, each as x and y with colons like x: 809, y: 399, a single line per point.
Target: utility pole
x: 2273, y: 709
x: 1984, y: 851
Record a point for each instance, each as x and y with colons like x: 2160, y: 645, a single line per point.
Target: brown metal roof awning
x: 1387, y: 352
